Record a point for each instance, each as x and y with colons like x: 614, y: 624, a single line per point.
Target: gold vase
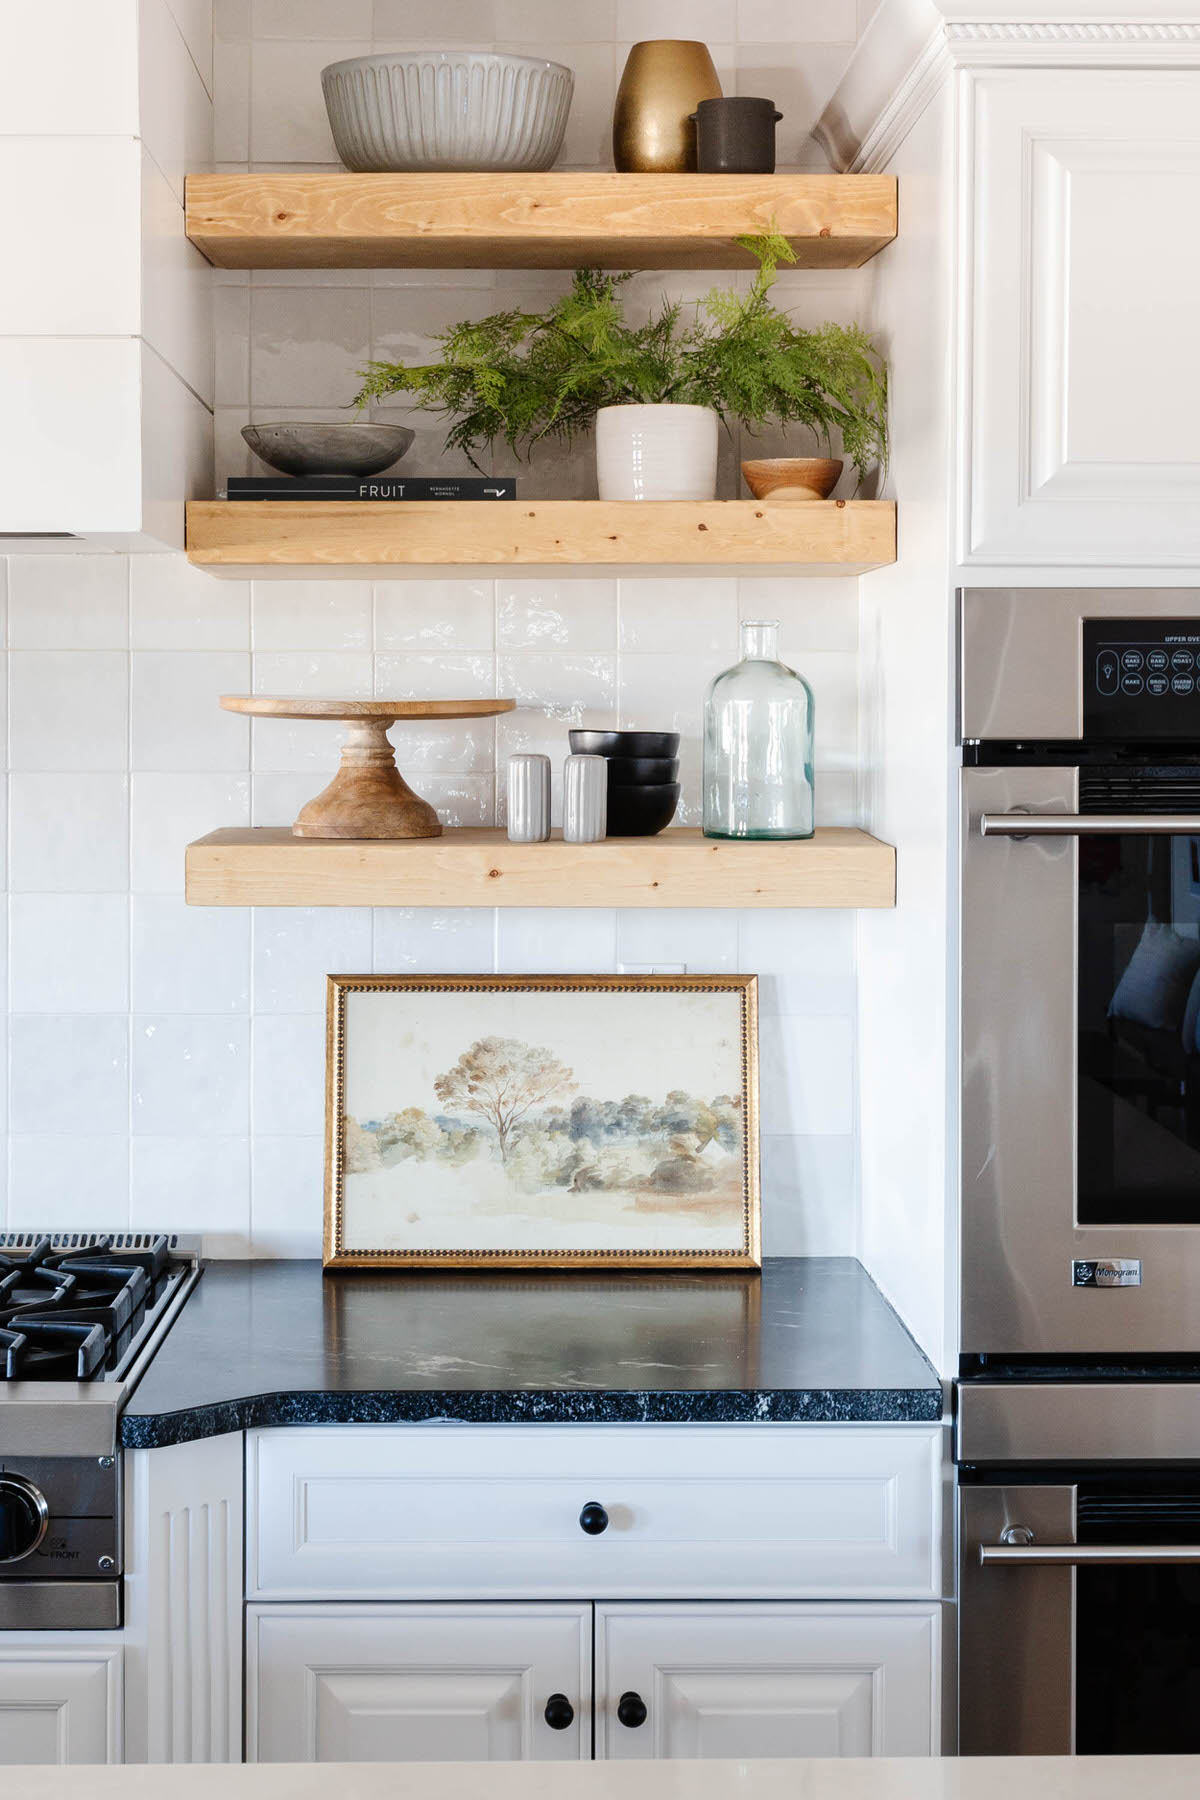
x: 664, y: 80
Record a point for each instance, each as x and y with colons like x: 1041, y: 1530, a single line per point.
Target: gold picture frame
x: 696, y: 1207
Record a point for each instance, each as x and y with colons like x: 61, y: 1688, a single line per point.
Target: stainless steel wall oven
x: 1078, y: 1403
x: 1081, y: 973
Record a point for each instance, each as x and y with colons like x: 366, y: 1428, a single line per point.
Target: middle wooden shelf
x: 235, y: 537
x: 839, y: 866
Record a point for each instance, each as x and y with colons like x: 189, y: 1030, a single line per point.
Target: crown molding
x: 911, y: 46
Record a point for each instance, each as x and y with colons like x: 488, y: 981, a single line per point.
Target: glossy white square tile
x: 704, y: 940
x: 45, y: 1191
x: 533, y: 941
x: 796, y: 21
x: 178, y: 721
x: 68, y: 833
x: 470, y: 22
x: 288, y: 1063
x: 295, y: 947
x: 435, y: 617
x: 68, y: 953
x: 69, y: 1068
x: 306, y: 344
x: 174, y: 606
x: 191, y: 1076
x: 556, y: 614
x: 402, y: 676
x: 341, y: 19
x: 288, y: 122
x: 167, y: 812
x: 204, y: 1181
x: 287, y: 1206
x: 337, y: 675
x: 188, y: 959
x: 807, y: 1075
x: 666, y: 615
x: 809, y: 1196
x: 68, y: 709
x: 423, y: 940
x: 311, y: 615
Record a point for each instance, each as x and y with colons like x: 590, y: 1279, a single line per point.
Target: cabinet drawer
x: 421, y: 1512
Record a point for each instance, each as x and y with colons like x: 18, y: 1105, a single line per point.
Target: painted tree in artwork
x: 502, y: 1079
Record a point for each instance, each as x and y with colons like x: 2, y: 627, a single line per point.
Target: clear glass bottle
x: 758, y: 744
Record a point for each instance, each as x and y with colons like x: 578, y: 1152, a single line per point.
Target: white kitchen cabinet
x: 1084, y: 361
x: 414, y: 1512
x: 416, y: 1683
x: 750, y: 1681
x: 60, y: 1699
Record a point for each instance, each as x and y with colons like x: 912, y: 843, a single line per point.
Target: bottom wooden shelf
x: 838, y: 867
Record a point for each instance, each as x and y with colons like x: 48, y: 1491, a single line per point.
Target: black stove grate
x: 72, y: 1303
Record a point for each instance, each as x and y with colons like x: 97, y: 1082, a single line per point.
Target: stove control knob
x: 24, y: 1517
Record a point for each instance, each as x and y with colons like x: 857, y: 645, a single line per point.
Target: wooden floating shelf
x: 550, y: 221
x: 838, y: 867
x: 234, y: 536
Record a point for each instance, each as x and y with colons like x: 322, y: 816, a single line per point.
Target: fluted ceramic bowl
x: 447, y: 110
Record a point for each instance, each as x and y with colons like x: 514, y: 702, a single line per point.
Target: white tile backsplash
x: 201, y: 1032
x: 68, y: 833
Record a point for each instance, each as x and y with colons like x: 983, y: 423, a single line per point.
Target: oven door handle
x: 1027, y: 825
x: 1104, y: 1555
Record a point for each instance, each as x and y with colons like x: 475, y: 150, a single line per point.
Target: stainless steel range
x: 81, y: 1314
x: 1078, y: 1406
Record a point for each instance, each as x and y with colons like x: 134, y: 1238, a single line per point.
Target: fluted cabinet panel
x: 184, y: 1594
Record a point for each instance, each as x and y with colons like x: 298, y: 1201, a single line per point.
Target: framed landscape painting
x: 542, y: 1120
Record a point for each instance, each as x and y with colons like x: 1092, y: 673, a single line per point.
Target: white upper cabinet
x: 1083, y: 272
x: 106, y: 360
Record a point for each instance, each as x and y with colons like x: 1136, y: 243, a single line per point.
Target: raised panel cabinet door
x: 380, y: 1683
x: 1081, y: 450
x: 752, y: 1681
x: 59, y: 1703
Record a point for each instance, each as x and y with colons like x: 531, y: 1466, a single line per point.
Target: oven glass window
x: 1137, y: 1652
x: 1139, y: 1030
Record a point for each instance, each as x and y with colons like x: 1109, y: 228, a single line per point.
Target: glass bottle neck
x: 760, y: 640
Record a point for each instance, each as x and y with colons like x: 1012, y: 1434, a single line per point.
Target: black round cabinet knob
x: 23, y: 1518
x: 559, y: 1712
x: 631, y: 1710
x: 593, y: 1519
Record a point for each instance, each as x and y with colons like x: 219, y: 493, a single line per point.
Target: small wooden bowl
x: 792, y: 477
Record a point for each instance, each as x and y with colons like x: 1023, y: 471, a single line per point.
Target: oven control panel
x: 1141, y: 678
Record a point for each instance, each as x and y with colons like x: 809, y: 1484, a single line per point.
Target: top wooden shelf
x: 553, y: 221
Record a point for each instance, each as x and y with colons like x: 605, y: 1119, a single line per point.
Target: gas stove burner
x: 53, y: 1349
x: 72, y: 1306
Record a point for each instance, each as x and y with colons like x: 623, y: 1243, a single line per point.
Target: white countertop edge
x: 915, y: 1778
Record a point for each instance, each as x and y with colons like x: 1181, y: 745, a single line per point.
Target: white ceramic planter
x: 656, y: 452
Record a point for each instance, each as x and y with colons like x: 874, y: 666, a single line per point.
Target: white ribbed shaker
x: 528, y: 799
x: 585, y: 799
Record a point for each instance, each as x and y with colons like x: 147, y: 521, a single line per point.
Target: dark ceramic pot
x: 624, y: 743
x: 641, y: 811
x: 641, y: 771
x: 736, y: 135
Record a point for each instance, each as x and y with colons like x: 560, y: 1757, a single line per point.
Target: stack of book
x: 374, y: 487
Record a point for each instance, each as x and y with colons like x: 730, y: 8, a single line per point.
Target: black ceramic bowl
x: 641, y: 811
x: 641, y: 771
x: 624, y: 743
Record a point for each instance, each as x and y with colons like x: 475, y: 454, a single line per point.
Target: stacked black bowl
x: 643, y: 770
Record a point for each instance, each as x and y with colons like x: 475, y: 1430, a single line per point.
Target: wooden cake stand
x: 368, y: 797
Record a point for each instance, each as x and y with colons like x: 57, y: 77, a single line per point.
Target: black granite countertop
x: 278, y: 1343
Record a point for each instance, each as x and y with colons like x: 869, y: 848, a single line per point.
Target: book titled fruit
x: 374, y: 487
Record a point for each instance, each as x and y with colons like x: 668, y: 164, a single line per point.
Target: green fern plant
x: 523, y: 377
